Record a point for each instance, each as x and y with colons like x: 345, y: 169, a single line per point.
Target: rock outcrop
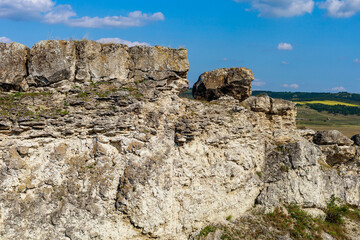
x: 235, y: 82
x: 61, y: 62
x: 13, y: 65
x: 98, y: 145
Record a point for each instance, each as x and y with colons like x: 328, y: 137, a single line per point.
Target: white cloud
x: 339, y: 89
x: 48, y: 12
x: 285, y: 46
x: 118, y: 40
x: 5, y: 40
x: 285, y: 63
x: 294, y: 85
x: 133, y: 19
x: 258, y: 83
x: 24, y: 9
x: 59, y: 14
x: 341, y: 8
x: 356, y: 60
x: 281, y: 8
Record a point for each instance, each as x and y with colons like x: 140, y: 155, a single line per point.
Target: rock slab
x: 13, y: 69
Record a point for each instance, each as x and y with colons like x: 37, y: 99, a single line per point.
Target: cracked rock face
x: 52, y: 61
x: 55, y: 63
x: 235, y: 82
x: 13, y: 65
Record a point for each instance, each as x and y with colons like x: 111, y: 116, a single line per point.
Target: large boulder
x: 13, y: 58
x: 235, y: 82
x: 51, y: 62
x: 356, y: 139
x: 329, y: 137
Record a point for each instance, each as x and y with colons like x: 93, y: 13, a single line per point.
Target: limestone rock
x: 270, y: 105
x: 13, y: 65
x: 307, y: 134
x: 100, y: 146
x: 336, y: 154
x: 356, y: 139
x: 102, y: 62
x: 332, y: 137
x: 160, y: 67
x: 235, y: 82
x: 259, y: 103
x: 281, y: 106
x: 52, y: 61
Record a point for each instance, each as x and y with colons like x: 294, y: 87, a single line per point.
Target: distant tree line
x: 307, y: 96
x: 335, y: 109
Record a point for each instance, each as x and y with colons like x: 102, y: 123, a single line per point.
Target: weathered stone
x: 160, y: 67
x: 338, y: 154
x: 52, y: 61
x: 356, y: 139
x: 281, y: 106
x: 13, y: 66
x: 270, y: 105
x: 102, y: 62
x: 113, y: 153
x: 307, y: 134
x: 332, y: 137
x: 259, y: 103
x: 235, y: 82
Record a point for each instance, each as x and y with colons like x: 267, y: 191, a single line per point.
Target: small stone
x: 22, y: 150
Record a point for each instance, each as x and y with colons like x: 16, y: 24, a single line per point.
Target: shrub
x: 334, y: 213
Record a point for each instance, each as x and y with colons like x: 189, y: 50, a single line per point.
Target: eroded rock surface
x: 13, y: 65
x: 112, y: 152
x: 332, y: 137
x: 235, y: 82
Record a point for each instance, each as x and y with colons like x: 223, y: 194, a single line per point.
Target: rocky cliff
x: 95, y: 143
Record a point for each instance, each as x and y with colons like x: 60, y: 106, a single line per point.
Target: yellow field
x: 327, y: 102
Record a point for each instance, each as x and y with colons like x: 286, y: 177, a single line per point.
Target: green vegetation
x: 205, y: 232
x: 327, y: 102
x: 335, y: 213
x: 335, y: 109
x: 290, y: 220
x: 345, y: 97
x: 313, y: 119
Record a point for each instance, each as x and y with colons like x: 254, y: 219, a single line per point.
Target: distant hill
x: 306, y: 96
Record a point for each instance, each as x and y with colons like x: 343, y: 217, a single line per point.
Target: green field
x: 310, y: 118
x: 327, y: 102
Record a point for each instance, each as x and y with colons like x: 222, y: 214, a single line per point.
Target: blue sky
x: 291, y: 45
